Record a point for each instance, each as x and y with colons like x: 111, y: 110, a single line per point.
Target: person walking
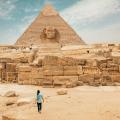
x: 40, y: 100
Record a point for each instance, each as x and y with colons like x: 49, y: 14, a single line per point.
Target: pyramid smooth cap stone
x: 48, y: 10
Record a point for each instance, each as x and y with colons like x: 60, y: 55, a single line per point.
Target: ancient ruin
x: 51, y: 54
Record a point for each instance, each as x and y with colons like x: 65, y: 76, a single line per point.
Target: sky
x: 95, y: 21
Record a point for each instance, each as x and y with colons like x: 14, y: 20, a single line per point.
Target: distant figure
x: 40, y: 99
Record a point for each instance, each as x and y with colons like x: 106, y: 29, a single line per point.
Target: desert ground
x: 80, y: 103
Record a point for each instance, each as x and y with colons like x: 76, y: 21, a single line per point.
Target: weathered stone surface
x: 23, y: 101
x: 10, y: 94
x: 115, y: 78
x: 24, y: 68
x: 90, y: 70
x: 70, y: 70
x: 24, y: 77
x: 48, y: 81
x: 53, y: 70
x: 80, y: 83
x: 62, y: 92
x: 10, y: 102
x: 6, y: 117
x: 65, y: 81
x: 37, y: 73
x: 79, y: 70
x: 92, y: 63
x: 87, y: 79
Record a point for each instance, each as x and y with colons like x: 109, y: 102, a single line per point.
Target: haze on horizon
x: 96, y: 21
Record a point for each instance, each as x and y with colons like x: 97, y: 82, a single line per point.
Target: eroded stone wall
x: 70, y: 72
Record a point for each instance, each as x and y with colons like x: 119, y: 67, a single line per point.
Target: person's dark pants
x: 39, y: 105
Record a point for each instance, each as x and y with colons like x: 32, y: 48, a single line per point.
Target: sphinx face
x: 50, y: 32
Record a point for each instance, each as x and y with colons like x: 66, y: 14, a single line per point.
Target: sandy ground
x: 81, y: 103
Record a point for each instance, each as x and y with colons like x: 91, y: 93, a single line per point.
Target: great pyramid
x: 49, y: 27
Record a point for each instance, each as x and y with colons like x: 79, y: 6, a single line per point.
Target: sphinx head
x: 50, y: 32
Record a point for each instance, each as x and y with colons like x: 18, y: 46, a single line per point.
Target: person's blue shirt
x: 39, y: 98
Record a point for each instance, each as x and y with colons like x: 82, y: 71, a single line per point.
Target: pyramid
x: 49, y: 27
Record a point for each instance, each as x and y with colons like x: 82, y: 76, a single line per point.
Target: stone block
x: 6, y: 117
x: 37, y: 73
x: 92, y: 63
x: 51, y: 60
x: 24, y: 68
x: 62, y: 92
x: 22, y: 76
x: 115, y: 78
x: 70, y: 70
x: 11, y: 67
x: 48, y: 81
x: 10, y: 94
x: 86, y: 78
x: 53, y: 70
x: 65, y: 81
x: 79, y: 69
x: 90, y: 70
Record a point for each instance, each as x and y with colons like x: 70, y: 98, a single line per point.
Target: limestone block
x: 37, y: 73
x: 70, y: 70
x: 10, y: 94
x: 103, y: 66
x: 22, y: 76
x: 25, y: 82
x: 68, y: 61
x: 39, y: 81
x: 23, y: 60
x: 23, y: 101
x: 65, y: 81
x: 80, y: 83
x: 53, y: 70
x: 48, y: 81
x: 6, y: 117
x: 86, y: 78
x: 116, y: 60
x: 107, y: 80
x: 113, y: 67
x: 106, y: 54
x: 90, y: 70
x: 10, y: 102
x: 24, y: 68
x: 79, y: 69
x: 106, y: 77
x: 92, y: 63
x: 62, y: 91
x: 81, y: 61
x: 51, y: 60
x: 33, y: 81
x: 115, y: 78
x: 97, y: 76
x: 1, y: 67
x: 10, y: 67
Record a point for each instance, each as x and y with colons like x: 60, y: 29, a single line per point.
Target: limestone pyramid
x: 49, y: 27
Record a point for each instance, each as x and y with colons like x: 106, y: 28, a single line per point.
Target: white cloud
x: 91, y: 10
x: 109, y: 34
x: 27, y: 10
x: 6, y: 7
x: 28, y: 19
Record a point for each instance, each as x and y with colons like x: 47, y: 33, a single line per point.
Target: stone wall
x: 70, y: 72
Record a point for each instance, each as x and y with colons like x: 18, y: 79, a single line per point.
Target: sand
x: 81, y: 103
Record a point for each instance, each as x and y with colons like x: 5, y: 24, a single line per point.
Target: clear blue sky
x: 96, y: 21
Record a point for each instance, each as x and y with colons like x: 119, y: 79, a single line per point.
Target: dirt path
x: 81, y: 103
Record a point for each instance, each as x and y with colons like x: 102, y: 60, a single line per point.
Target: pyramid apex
x: 49, y: 10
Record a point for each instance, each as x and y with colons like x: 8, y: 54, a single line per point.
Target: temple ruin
x: 51, y: 54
